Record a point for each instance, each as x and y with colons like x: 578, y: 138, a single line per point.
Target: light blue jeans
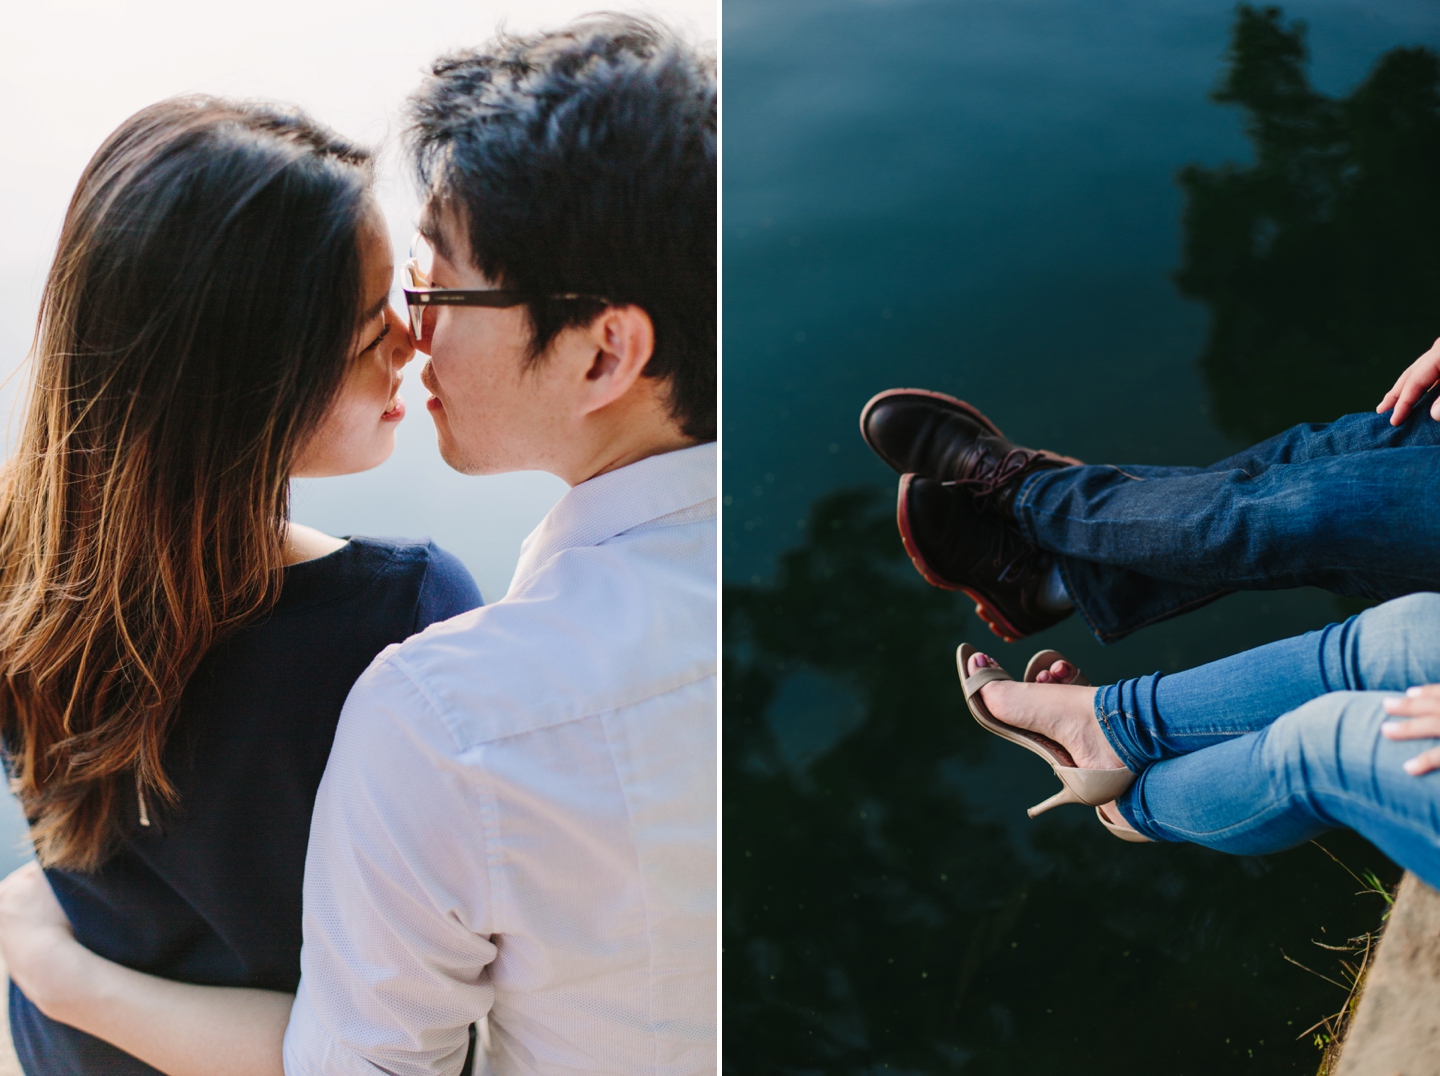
x: 1270, y: 748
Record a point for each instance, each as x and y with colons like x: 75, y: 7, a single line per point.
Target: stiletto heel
x: 1065, y: 795
x: 1092, y: 787
x: 1041, y: 661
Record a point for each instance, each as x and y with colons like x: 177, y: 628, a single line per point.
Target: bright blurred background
x: 74, y: 70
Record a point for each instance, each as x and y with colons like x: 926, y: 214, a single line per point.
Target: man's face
x: 492, y: 414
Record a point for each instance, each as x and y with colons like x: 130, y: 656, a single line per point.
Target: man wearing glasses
x: 517, y: 824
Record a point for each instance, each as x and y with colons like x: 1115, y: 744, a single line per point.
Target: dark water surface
x: 984, y: 197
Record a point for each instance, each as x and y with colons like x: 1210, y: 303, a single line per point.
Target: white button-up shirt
x: 518, y: 816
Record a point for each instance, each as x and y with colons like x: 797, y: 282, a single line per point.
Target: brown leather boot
x: 930, y: 434
x: 956, y: 545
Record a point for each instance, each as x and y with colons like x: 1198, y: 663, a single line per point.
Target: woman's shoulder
x: 419, y: 555
x: 443, y: 586
x: 407, y: 582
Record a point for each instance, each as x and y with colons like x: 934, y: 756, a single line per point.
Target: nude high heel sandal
x: 1092, y: 787
x: 1125, y: 833
x: 1043, y: 660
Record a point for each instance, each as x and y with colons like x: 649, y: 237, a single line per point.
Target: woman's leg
x: 1152, y: 718
x: 1388, y: 648
x: 1321, y: 766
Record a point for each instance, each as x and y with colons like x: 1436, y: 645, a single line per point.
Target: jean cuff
x: 1111, y: 724
x: 1128, y: 804
x: 1020, y: 501
x: 1025, y: 525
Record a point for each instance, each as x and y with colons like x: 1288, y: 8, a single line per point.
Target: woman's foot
x: 1053, y: 707
x: 1060, y: 672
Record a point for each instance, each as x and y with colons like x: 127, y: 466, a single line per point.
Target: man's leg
x: 1322, y: 766
x: 1362, y: 431
x: 1338, y: 506
x: 1127, y: 541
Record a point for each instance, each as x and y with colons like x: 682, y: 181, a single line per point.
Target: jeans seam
x: 1062, y: 562
x: 1022, y: 499
x: 1128, y: 757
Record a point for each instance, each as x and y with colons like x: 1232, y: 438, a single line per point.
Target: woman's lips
x: 396, y: 410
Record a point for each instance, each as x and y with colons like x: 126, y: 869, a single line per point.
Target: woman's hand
x: 35, y: 936
x: 1414, y: 383
x: 1422, y: 706
x: 179, y: 1028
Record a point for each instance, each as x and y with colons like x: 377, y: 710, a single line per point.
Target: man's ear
x: 623, y: 338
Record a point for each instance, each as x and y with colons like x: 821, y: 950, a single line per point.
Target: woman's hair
x: 195, y: 327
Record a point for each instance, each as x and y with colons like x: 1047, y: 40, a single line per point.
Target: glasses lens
x: 422, y: 320
x: 423, y: 258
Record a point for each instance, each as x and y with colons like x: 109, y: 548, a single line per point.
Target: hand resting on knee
x: 1422, y: 706
x: 1413, y: 384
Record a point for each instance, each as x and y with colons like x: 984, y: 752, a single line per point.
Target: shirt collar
x: 620, y: 500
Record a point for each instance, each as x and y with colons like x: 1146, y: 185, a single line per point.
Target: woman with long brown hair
x: 174, y: 653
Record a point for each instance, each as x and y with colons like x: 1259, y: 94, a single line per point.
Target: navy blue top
x: 210, y: 891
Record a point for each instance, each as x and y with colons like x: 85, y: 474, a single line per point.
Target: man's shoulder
x: 595, y: 629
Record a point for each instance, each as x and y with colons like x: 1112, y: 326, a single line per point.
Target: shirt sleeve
x: 398, y: 914
x: 448, y: 589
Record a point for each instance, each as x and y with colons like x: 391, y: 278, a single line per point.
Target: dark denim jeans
x: 1272, y: 747
x: 1352, y: 506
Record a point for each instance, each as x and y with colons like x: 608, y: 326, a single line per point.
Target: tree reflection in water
x: 878, y: 918
x: 872, y: 919
x: 1317, y: 261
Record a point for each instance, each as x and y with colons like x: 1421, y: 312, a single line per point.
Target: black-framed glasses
x: 420, y: 296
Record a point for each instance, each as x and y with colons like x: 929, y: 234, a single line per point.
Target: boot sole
x: 994, y: 619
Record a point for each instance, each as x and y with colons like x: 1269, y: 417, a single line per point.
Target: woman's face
x: 358, y: 432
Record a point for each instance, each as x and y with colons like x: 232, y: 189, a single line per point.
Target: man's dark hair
x: 583, y: 161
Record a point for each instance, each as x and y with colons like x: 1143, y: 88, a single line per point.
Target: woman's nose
x: 400, y: 333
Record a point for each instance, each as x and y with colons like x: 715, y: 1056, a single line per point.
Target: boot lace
x: 993, y: 473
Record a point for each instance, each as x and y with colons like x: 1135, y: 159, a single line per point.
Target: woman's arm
x: 179, y: 1028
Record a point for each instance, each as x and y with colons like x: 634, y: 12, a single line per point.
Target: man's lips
x: 427, y: 378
